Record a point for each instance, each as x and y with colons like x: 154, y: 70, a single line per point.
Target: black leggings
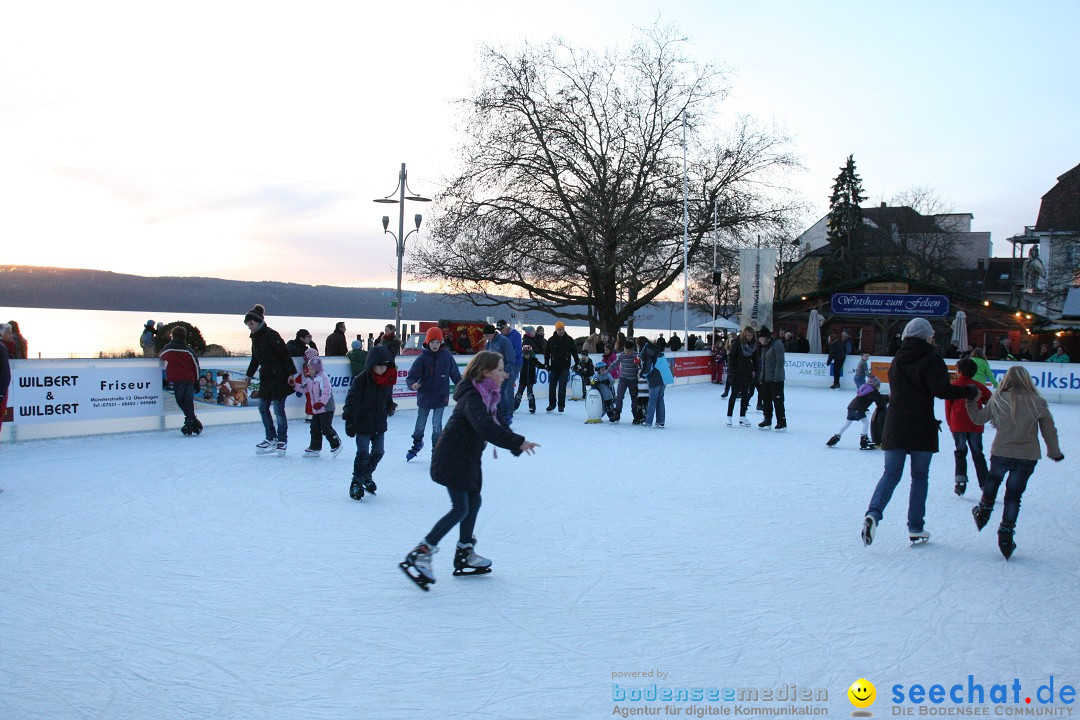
x: 740, y: 391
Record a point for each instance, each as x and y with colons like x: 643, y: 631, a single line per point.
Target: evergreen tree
x: 847, y: 239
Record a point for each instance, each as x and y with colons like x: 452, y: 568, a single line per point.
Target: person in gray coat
x: 772, y: 380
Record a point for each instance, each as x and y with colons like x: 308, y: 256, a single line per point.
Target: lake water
x: 58, y: 333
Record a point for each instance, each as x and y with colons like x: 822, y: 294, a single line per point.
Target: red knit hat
x: 434, y: 334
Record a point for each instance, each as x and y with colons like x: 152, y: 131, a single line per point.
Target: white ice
x: 152, y: 575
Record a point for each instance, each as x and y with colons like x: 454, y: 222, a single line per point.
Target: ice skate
x: 918, y: 538
x: 1006, y: 544
x: 369, y: 484
x: 532, y: 405
x: 281, y: 448
x: 869, y: 527
x: 196, y: 426
x: 961, y: 485
x: 981, y: 515
x: 831, y: 442
x: 186, y: 429
x: 743, y: 422
x: 417, y: 446
x: 729, y: 421
x: 335, y: 451
x: 309, y: 453
x: 356, y: 490
x: 765, y: 425
x: 865, y: 444
x: 417, y: 565
x: 517, y: 401
x: 467, y: 562
x: 781, y: 426
x: 266, y: 447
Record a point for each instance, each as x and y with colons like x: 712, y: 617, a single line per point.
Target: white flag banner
x: 757, y: 285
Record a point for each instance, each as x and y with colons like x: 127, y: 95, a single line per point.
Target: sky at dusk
x: 247, y: 140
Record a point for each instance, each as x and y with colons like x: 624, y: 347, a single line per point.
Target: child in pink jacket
x: 315, y: 385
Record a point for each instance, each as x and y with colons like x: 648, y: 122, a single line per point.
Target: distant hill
x: 46, y: 287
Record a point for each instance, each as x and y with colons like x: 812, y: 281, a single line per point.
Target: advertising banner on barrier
x: 49, y: 392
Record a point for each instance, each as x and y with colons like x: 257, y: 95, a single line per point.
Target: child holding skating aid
x: 455, y: 464
x: 869, y: 392
x: 1019, y: 413
x: 314, y: 384
x: 530, y: 366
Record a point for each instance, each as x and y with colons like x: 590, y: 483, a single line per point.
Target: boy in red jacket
x: 967, y: 434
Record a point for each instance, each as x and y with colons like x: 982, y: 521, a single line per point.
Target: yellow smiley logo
x: 862, y: 693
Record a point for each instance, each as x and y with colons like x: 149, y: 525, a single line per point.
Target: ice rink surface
x: 157, y: 576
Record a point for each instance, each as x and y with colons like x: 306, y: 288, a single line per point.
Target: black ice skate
x: 865, y: 444
x: 186, y: 429
x: 1006, y: 544
x: 369, y: 484
x: 532, y: 404
x: 417, y: 565
x: 266, y: 447
x: 417, y: 446
x: 869, y: 527
x: 356, y: 490
x: 831, y: 442
x: 517, y: 401
x: 467, y: 562
x: 196, y: 426
x: 961, y: 485
x: 981, y: 515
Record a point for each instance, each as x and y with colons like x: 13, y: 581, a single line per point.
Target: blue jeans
x: 185, y: 397
x: 369, y: 451
x: 656, y: 405
x: 557, y: 383
x: 625, y: 385
x: 894, y: 471
x: 506, y: 394
x: 463, y: 509
x: 973, y: 440
x: 421, y: 423
x: 282, y: 432
x: 1019, y: 470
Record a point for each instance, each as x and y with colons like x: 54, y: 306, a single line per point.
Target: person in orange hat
x: 560, y: 348
x: 430, y: 376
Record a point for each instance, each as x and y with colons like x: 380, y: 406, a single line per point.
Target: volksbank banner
x: 757, y: 270
x: 882, y: 304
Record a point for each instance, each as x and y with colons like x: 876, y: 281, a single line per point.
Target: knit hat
x: 310, y: 354
x: 434, y: 334
x: 872, y: 381
x: 919, y: 328
x: 529, y: 329
x: 500, y: 323
x: 315, y: 364
x: 256, y: 314
x: 489, y: 329
x: 764, y: 332
x: 356, y: 345
x: 149, y: 324
x: 560, y: 325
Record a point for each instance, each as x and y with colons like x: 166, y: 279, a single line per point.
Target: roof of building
x: 1060, y: 209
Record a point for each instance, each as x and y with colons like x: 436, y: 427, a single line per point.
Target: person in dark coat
x: 540, y: 342
x: 771, y: 380
x: 182, y: 370
x: 455, y: 464
x: 744, y: 368
x: 837, y: 356
x: 337, y: 345
x: 390, y: 341
x: 917, y: 375
x: 271, y: 358
x: 298, y: 345
x: 430, y: 376
x: 5, y: 373
x: 369, y: 402
x: 530, y: 368
x: 560, y: 348
x: 802, y: 345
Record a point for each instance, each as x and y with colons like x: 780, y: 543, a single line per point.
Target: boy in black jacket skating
x: 455, y: 464
x: 530, y: 365
x: 369, y: 402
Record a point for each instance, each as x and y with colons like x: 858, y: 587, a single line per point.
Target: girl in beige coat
x: 1019, y: 413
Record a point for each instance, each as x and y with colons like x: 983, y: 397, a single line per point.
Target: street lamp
x: 400, y: 237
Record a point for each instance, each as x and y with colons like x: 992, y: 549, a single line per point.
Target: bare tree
x: 570, y: 187
x: 931, y: 255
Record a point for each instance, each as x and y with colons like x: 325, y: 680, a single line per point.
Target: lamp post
x: 400, y: 237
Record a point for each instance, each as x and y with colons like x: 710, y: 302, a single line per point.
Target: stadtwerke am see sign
x: 886, y: 304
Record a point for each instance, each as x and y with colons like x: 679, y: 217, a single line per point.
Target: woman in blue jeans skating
x: 455, y: 464
x: 1019, y: 413
x: 917, y: 375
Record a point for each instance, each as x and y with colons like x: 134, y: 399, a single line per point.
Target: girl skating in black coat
x: 455, y: 464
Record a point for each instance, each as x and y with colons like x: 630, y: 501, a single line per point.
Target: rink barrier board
x: 57, y: 398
